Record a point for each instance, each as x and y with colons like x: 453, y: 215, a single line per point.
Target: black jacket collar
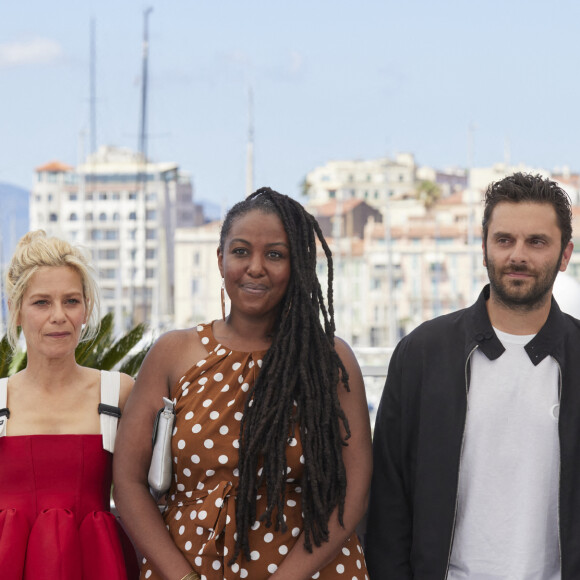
x: 548, y: 341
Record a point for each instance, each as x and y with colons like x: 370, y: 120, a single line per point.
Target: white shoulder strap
x: 3, y: 402
x: 109, y: 407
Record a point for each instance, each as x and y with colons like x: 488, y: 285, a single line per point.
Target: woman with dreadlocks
x: 272, y: 446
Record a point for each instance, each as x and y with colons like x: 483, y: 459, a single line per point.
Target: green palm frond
x: 19, y: 361
x: 5, y: 356
x: 118, y: 351
x: 132, y: 365
x: 87, y: 353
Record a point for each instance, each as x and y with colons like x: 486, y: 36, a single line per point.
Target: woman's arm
x: 167, y: 361
x: 300, y: 564
x: 127, y: 383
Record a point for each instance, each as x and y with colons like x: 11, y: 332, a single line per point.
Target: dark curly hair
x: 301, y: 365
x: 523, y: 187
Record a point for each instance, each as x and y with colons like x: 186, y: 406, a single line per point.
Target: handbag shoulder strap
x: 109, y: 407
x: 4, y: 412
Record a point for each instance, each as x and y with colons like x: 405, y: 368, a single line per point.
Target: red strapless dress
x: 55, y: 522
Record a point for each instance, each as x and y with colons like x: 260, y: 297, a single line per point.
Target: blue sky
x: 331, y: 80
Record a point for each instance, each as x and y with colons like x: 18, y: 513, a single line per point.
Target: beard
x: 526, y: 294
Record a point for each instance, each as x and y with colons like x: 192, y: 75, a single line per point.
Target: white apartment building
x: 428, y: 263
x: 373, y: 181
x: 197, y: 276
x: 481, y: 177
x: 126, y: 211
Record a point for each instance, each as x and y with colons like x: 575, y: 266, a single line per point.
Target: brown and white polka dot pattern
x: 200, y: 516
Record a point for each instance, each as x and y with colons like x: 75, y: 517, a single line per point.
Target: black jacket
x: 419, y: 433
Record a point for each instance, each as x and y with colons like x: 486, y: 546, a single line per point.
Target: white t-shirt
x: 507, y: 513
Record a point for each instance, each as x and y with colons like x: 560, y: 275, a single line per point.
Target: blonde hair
x: 36, y: 250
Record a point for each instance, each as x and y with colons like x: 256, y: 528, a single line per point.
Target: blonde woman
x: 58, y: 423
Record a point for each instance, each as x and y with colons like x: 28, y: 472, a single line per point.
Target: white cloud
x: 31, y: 51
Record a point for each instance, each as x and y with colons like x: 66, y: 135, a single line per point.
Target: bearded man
x: 477, y: 437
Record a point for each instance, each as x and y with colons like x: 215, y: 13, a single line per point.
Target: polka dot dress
x: 200, y: 516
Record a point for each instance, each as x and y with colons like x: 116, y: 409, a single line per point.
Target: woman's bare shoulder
x: 172, y: 355
x: 127, y: 383
x: 177, y: 342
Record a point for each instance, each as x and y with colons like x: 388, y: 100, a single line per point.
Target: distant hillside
x: 13, y: 217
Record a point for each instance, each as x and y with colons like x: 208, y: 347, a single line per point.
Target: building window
x: 72, y: 196
x: 73, y: 217
x: 133, y: 195
x: 53, y: 217
x: 89, y: 197
x: 102, y: 196
x: 108, y: 254
x: 133, y: 215
x: 196, y: 259
x: 150, y: 253
x: 107, y: 273
x: 89, y: 217
x: 96, y: 234
x: 116, y: 216
x: 116, y: 196
x: 111, y: 234
x: 151, y: 234
x: 103, y: 217
x: 194, y: 286
x: 332, y: 193
x: 50, y: 197
x: 151, y: 214
x: 151, y: 196
x: 150, y: 272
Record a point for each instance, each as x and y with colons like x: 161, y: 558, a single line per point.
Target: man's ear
x: 566, y: 255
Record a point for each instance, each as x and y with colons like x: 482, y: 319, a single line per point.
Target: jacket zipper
x: 559, y: 463
x: 460, y: 455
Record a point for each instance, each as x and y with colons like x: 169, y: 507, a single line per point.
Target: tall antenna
x: 93, y: 88
x: 140, y: 259
x: 250, y: 146
x: 144, y: 80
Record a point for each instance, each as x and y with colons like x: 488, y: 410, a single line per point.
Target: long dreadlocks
x: 301, y: 366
